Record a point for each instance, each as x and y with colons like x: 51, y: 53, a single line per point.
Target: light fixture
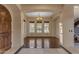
x: 39, y: 17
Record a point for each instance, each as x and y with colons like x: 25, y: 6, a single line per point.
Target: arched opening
x: 40, y: 30
x: 76, y: 30
x: 5, y: 29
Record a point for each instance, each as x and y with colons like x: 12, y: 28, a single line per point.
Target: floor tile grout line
x: 18, y: 50
x: 60, y: 46
x: 66, y: 50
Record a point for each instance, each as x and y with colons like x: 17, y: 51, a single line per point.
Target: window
x: 61, y: 32
x: 31, y: 27
x: 46, y: 27
x: 39, y: 43
x: 39, y: 27
x: 46, y: 43
x: 32, y: 43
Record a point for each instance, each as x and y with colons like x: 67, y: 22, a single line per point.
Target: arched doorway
x: 5, y: 29
x: 76, y: 31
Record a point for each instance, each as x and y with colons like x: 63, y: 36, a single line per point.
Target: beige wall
x: 68, y: 25
x: 56, y: 28
x: 16, y: 25
x: 23, y: 25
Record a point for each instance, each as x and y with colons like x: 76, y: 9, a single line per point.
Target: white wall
x: 15, y: 25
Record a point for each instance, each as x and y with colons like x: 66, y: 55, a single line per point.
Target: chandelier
x: 39, y: 17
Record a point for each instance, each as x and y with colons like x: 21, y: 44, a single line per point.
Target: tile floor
x: 73, y: 50
x: 42, y: 51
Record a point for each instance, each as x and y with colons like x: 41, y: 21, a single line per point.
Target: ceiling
x: 36, y: 14
x: 45, y: 9
x: 34, y: 10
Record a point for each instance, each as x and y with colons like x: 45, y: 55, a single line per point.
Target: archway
x: 5, y: 29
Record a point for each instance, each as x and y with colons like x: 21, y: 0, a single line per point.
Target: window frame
x: 48, y: 29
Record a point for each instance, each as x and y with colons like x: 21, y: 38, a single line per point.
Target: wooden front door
x: 5, y: 29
